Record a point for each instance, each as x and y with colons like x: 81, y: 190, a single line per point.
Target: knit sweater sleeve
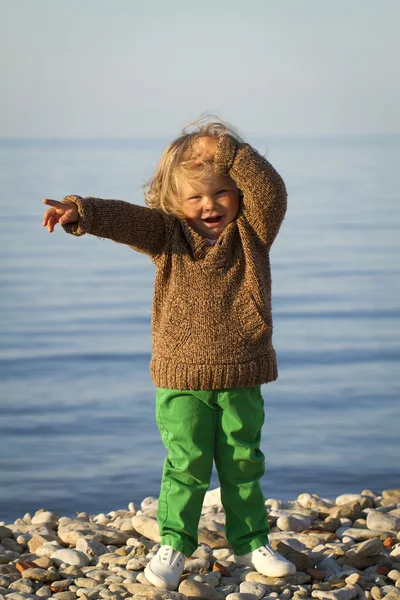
x: 264, y: 192
x: 140, y: 227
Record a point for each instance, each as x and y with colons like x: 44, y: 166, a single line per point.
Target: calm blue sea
x: 77, y: 426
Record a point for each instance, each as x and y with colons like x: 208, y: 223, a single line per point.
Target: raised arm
x: 264, y: 192
x: 140, y: 227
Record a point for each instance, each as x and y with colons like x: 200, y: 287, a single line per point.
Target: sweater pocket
x: 174, y: 329
x: 252, y: 326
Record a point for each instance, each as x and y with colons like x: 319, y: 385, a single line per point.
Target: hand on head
x: 204, y: 148
x: 59, y: 213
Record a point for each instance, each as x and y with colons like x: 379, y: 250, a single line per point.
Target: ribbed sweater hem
x: 182, y: 376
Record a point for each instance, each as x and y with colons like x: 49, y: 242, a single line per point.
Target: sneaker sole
x: 284, y: 572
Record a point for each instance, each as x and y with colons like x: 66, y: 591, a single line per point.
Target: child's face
x: 210, y: 204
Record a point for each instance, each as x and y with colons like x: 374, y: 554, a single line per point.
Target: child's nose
x: 209, y: 202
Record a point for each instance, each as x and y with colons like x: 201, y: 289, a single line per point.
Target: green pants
x: 198, y: 427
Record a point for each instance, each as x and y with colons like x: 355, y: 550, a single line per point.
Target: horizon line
x: 163, y: 137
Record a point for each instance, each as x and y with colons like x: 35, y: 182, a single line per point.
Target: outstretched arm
x: 140, y: 227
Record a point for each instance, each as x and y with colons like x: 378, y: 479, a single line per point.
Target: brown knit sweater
x: 211, y: 321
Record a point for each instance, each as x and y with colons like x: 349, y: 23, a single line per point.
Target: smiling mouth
x: 213, y: 220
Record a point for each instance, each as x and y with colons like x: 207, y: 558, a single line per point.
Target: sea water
x: 77, y: 425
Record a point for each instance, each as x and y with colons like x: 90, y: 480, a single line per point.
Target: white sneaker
x: 165, y: 568
x: 267, y: 561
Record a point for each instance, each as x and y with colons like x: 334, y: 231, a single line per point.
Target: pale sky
x: 134, y: 68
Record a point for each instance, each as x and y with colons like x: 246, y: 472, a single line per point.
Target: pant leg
x: 187, y: 423
x: 240, y: 465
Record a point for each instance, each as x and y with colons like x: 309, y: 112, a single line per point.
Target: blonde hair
x: 176, y: 163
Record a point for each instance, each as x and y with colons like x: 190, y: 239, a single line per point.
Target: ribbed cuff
x: 81, y: 226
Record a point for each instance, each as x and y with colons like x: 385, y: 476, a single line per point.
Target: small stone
x: 353, y: 579
x: 43, y: 562
x: 85, y: 582
x: 222, y: 567
x: 5, y: 532
x: 240, y: 596
x: 309, y: 500
x: 147, y: 591
x: 330, y: 566
x: 376, y: 592
x: 360, y: 524
x: 295, y: 579
x: 62, y: 584
x: 212, y: 498
x: 368, y: 548
x: 214, y: 539
x: 22, y: 565
x: 5, y: 559
x: 38, y: 540
x: 71, y: 572
x: 44, y: 592
x: 382, y: 522
x: 39, y: 575
x: 47, y: 549
x: 109, y: 535
x: 212, y: 578
x: 350, y: 510
x: 149, y: 502
x: 273, y: 503
x: 136, y: 564
x: 195, y: 589
x: 394, y: 575
x: 12, y: 545
x: 252, y: 587
x: 296, y: 523
x: 392, y: 495
x: 345, y: 498
x: 389, y: 589
x: 19, y: 596
x: 114, y: 587
x: 197, y: 565
x: 70, y: 557
x: 316, y: 574
x: 147, y: 526
x: 362, y: 562
x: 345, y: 593
x: 382, y: 570
x: 325, y: 586
x: 230, y: 589
x: 64, y: 596
x: 91, y: 547
x: 359, y: 535
x: 45, y: 518
x: 22, y: 585
x: 331, y: 524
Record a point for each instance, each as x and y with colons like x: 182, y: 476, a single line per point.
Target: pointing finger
x: 53, y: 203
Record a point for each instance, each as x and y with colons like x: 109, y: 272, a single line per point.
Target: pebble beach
x: 343, y: 548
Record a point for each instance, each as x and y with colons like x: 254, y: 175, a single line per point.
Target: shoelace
x: 266, y: 551
x: 167, y: 557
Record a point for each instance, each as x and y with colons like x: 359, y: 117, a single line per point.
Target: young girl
x: 214, y: 208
